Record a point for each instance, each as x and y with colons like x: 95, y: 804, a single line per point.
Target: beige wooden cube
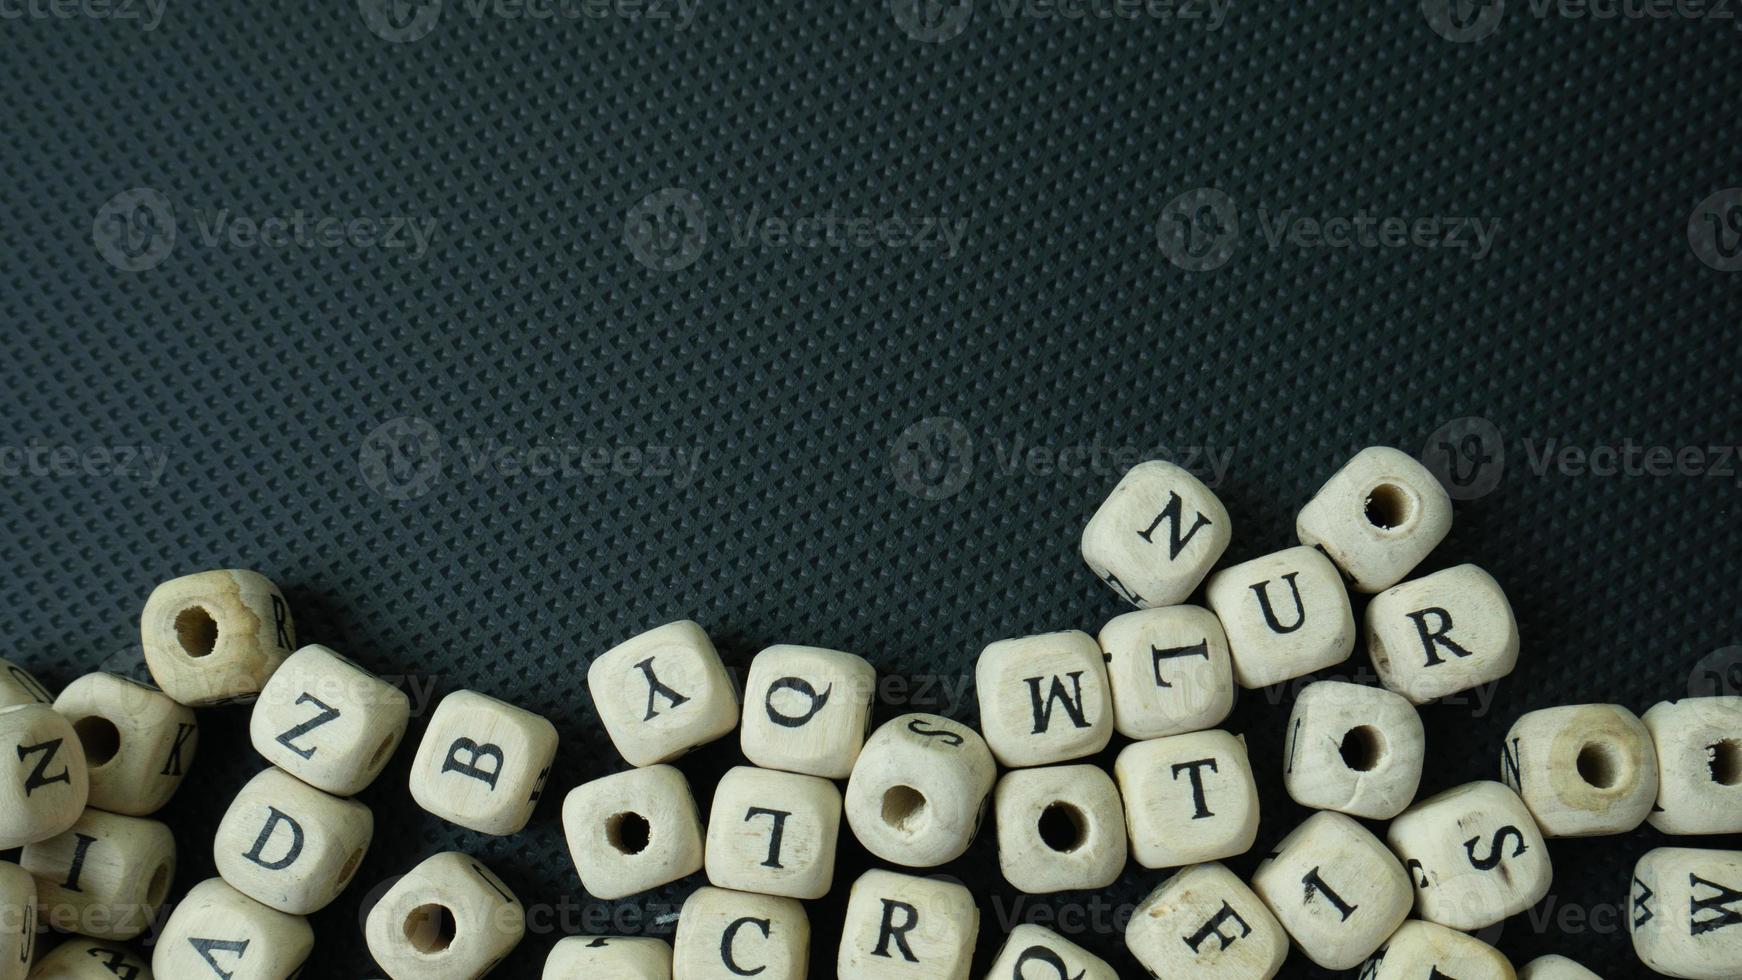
x: 1157, y: 535
x: 1169, y: 670
x: 663, y: 693
x: 1286, y: 615
x: 216, y: 931
x: 1555, y: 968
x: 1441, y: 634
x: 1699, y: 765
x: 1354, y: 749
x: 807, y: 710
x: 1204, y: 922
x: 727, y: 935
x: 1582, y: 769
x: 1188, y: 798
x: 18, y: 918
x: 215, y: 637
x: 1044, y: 699
x: 80, y: 958
x: 773, y: 833
x: 449, y: 918
x: 44, y: 783
x: 482, y: 763
x: 290, y: 846
x: 1419, y: 950
x: 902, y: 927
x: 1377, y: 517
x: 1060, y: 828
x: 105, y: 877
x: 328, y: 722
x: 612, y: 957
x: 19, y: 686
x: 632, y: 831
x: 1032, y: 950
x: 1686, y: 912
x: 920, y: 789
x: 1474, y: 854
x: 138, y: 742
x: 1336, y: 889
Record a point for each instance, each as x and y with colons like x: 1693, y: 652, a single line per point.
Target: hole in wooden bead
x: 1726, y: 762
x: 1362, y: 748
x: 350, y: 867
x: 158, y: 889
x: 628, y: 832
x: 1063, y: 827
x: 1598, y: 764
x: 430, y: 928
x: 197, y: 631
x: 1389, y: 506
x: 100, y: 738
x: 904, y: 808
x: 381, y: 751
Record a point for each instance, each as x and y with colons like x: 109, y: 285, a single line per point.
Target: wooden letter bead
x: 1377, y: 518
x: 1422, y: 949
x: 1059, y: 829
x: 1032, y: 949
x: 138, y: 742
x: 663, y: 693
x: 1686, y: 912
x: 1474, y: 854
x: 44, y: 783
x: 17, y: 686
x: 1554, y: 968
x: 482, y: 763
x: 328, y: 722
x: 919, y: 790
x: 105, y: 877
x: 1204, y: 922
x: 1169, y: 670
x: 1441, y: 634
x: 1044, y: 699
x: 1335, y: 888
x: 773, y: 833
x: 1157, y: 535
x: 17, y: 921
x: 1582, y: 769
x: 87, y: 959
x: 218, y: 933
x: 1699, y: 765
x: 727, y: 935
x: 611, y: 957
x: 290, y: 846
x: 1354, y: 749
x: 1286, y: 615
x: 1188, y: 798
x: 449, y: 918
x: 215, y: 637
x: 806, y: 710
x: 901, y: 927
x: 632, y: 831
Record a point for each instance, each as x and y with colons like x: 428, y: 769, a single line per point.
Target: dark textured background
x: 272, y: 378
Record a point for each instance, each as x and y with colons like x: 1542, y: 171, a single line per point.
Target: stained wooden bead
x: 1336, y: 889
x: 1188, y: 798
x: 138, y: 742
x: 328, y: 722
x: 1354, y: 749
x: 1422, y: 949
x: 1204, y: 922
x: 1169, y: 670
x: 1686, y: 912
x: 1441, y: 634
x: 482, y: 763
x: 1377, y: 517
x: 632, y: 831
x: 728, y: 935
x: 1582, y: 769
x: 919, y: 790
x: 1157, y: 535
x: 609, y: 957
x: 216, y: 931
x: 1699, y: 765
x: 1044, y: 699
x: 1032, y: 949
x: 18, y: 918
x: 1475, y: 855
x: 1060, y: 828
x: 1555, y: 968
x: 105, y: 877
x: 80, y: 958
x: 773, y: 833
x: 449, y: 918
x: 1285, y: 614
x: 663, y: 693
x: 902, y: 927
x: 44, y: 783
x: 290, y: 846
x: 807, y: 710
x: 215, y: 637
x: 18, y: 686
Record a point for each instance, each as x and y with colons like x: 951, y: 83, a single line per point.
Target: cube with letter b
x: 482, y: 763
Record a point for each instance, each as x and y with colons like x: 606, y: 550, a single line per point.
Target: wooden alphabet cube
x: 1377, y: 517
x: 1157, y: 535
x: 1204, y: 922
x: 1474, y: 855
x: 449, y: 918
x: 290, y: 846
x: 1060, y: 828
x: 1188, y: 798
x: 1441, y: 634
x: 215, y: 637
x: 89, y: 959
x: 1582, y: 769
x: 1421, y: 949
x: 1044, y: 699
x: 1286, y: 615
x: 1335, y: 888
x: 619, y: 958
x: 138, y: 742
x: 482, y: 763
x: 632, y: 831
x: 218, y: 933
x: 1554, y: 968
x: 1038, y: 949
x: 919, y: 790
x: 663, y: 693
x: 17, y: 921
x: 773, y: 833
x: 727, y: 935
x: 18, y: 686
x: 105, y: 877
x: 1354, y: 749
x: 328, y: 722
x: 44, y: 783
x: 1686, y: 912
x: 807, y: 710
x: 1169, y: 670
x: 902, y: 927
x: 1699, y: 765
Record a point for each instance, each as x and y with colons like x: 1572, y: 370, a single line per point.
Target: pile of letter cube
x: 81, y: 774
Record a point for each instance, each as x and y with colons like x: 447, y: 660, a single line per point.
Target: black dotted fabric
x: 886, y: 448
